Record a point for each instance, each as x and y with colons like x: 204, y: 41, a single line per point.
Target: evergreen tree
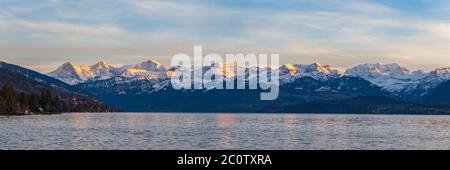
x: 34, y: 103
x: 23, y: 100
x: 45, y: 100
x: 59, y: 104
x: 10, y: 97
x: 2, y: 105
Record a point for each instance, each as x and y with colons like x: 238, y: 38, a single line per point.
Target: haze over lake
x: 223, y: 131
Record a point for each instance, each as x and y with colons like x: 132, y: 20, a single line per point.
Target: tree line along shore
x: 14, y: 102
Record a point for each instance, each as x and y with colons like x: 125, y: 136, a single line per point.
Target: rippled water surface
x: 223, y: 131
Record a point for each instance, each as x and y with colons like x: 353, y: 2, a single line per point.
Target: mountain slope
x: 439, y: 95
x: 30, y: 82
x: 38, y: 77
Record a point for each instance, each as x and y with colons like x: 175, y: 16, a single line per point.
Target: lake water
x: 223, y: 131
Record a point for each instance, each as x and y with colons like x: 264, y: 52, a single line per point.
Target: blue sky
x: 42, y: 34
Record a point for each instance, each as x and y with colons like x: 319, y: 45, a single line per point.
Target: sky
x: 43, y: 34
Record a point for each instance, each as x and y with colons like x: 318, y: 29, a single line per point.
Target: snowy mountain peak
x: 101, y: 71
x: 326, y: 69
x: 101, y: 65
x: 438, y: 75
x: 73, y: 74
x: 290, y: 68
x: 152, y: 63
x: 391, y: 77
x: 291, y: 72
x: 315, y: 67
x: 378, y: 69
x: 68, y: 73
x: 149, y: 65
x: 69, y: 67
x: 441, y: 71
x: 148, y: 68
x: 67, y: 64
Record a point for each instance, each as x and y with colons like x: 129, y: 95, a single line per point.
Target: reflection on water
x: 225, y: 124
x: 223, y: 131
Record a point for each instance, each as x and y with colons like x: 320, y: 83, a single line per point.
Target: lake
x: 223, y: 131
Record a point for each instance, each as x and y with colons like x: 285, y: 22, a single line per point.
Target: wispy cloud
x: 341, y: 33
x: 24, y: 26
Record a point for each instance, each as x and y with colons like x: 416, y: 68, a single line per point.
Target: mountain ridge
x: 392, y: 78
x: 314, y: 88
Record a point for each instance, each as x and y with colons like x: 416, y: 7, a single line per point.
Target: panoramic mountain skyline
x: 42, y: 35
x: 368, y: 88
x: 312, y: 88
x: 392, y: 77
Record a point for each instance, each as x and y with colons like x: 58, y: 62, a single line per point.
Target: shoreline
x: 237, y: 113
x: 23, y: 114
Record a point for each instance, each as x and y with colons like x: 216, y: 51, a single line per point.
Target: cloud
x: 169, y: 9
x: 65, y: 28
x: 438, y: 30
x: 56, y: 33
x: 370, y: 8
x: 340, y: 33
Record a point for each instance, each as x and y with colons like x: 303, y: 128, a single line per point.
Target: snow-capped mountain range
x: 74, y: 74
x: 390, y: 77
x: 314, y: 88
x: 399, y: 80
x: 291, y: 72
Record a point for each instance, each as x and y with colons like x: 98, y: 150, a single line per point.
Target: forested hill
x: 21, y: 94
x: 16, y: 102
